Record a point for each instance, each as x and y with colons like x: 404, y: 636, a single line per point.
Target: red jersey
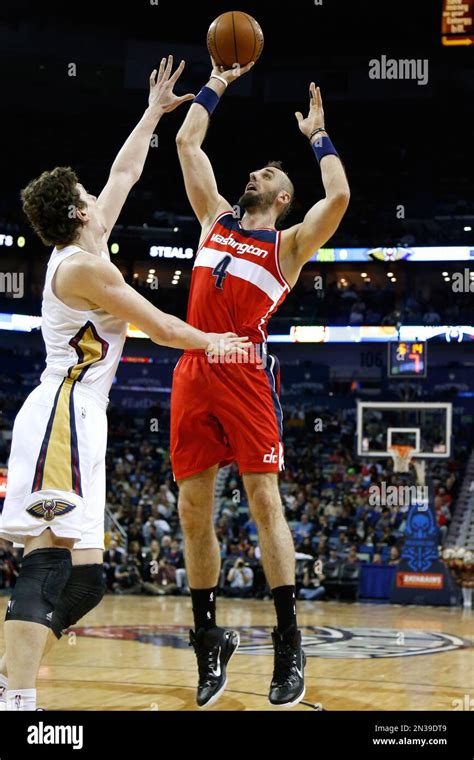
x: 237, y: 284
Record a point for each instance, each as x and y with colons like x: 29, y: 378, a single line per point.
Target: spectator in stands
x: 306, y: 546
x: 175, y: 555
x: 313, y: 577
x: 394, y: 556
x: 161, y: 579
x: 113, y: 557
x: 303, y: 529
x: 9, y: 565
x: 240, y: 579
x: 352, y: 558
x: 128, y: 578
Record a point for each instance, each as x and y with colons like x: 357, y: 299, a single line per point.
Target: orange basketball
x: 234, y: 38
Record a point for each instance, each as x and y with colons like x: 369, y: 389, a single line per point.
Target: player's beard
x: 261, y: 201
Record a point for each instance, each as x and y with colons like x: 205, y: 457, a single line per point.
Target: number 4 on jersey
x: 220, y: 271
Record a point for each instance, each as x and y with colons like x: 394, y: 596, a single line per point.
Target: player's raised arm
x: 199, y: 178
x: 128, y: 165
x: 322, y: 220
x: 101, y: 284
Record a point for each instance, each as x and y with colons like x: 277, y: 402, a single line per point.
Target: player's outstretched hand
x: 230, y: 75
x: 221, y: 344
x: 161, y: 95
x: 315, y: 117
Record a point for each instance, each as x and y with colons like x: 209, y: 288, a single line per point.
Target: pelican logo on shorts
x: 48, y: 509
x: 271, y: 458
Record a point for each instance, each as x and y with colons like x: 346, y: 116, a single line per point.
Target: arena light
x: 389, y: 274
x: 467, y: 229
x: 114, y: 248
x: 175, y: 229
x: 364, y: 274
x: 445, y: 274
x: 21, y: 242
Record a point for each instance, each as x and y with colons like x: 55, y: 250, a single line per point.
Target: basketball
x: 234, y: 38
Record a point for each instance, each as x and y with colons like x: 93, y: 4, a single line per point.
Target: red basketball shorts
x: 222, y: 413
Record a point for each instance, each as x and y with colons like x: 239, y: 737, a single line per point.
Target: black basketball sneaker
x: 287, y: 687
x: 213, y: 649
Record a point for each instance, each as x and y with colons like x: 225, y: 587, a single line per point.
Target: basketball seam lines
x: 235, y: 40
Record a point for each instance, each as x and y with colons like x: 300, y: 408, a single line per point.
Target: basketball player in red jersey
x: 230, y: 411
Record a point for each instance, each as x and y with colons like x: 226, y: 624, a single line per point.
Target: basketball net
x: 402, y: 456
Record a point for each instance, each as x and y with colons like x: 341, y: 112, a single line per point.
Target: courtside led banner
x: 305, y: 333
x: 391, y: 255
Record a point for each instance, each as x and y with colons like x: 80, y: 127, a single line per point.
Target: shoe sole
x: 219, y: 693
x: 289, y: 704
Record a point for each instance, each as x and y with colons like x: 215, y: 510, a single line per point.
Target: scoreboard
x: 407, y: 359
x: 3, y: 482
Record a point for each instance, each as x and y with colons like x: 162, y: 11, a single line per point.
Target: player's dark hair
x: 290, y: 188
x: 49, y: 202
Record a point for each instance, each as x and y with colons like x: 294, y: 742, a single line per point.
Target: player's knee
x: 43, y: 575
x: 264, y: 507
x: 83, y: 591
x: 194, y: 517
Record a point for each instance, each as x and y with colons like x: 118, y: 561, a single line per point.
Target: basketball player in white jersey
x: 243, y: 271
x: 55, y: 497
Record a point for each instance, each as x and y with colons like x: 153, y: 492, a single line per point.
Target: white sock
x: 3, y: 692
x: 21, y: 699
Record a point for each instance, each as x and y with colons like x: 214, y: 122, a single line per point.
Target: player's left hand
x: 221, y: 344
x: 162, y: 97
x: 315, y: 117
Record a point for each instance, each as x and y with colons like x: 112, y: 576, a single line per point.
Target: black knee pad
x: 43, y: 576
x: 83, y: 591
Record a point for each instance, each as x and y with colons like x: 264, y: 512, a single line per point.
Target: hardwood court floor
x: 131, y: 653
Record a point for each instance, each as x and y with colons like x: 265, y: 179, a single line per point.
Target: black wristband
x: 319, y: 129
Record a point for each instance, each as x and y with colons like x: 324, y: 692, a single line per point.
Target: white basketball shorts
x: 56, y: 471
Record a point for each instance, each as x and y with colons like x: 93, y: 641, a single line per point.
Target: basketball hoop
x: 401, y: 456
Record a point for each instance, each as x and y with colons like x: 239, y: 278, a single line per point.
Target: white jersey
x: 83, y: 345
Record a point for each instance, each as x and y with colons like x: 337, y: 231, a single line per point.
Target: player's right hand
x: 230, y: 75
x: 222, y: 344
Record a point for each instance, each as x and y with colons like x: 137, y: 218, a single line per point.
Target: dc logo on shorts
x: 48, y: 509
x: 270, y: 458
